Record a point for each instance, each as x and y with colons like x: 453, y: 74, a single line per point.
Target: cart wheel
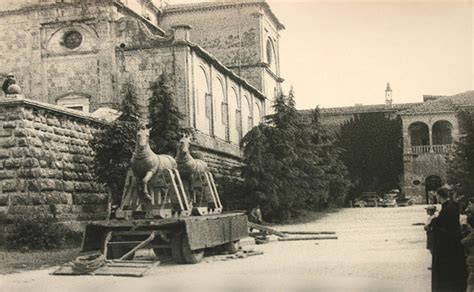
x: 232, y: 247
x: 190, y: 256
x: 176, y: 250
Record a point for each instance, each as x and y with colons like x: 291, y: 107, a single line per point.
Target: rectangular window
x: 224, y: 113
x: 238, y: 123
x: 208, y: 106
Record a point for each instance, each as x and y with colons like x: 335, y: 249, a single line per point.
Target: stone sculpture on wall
x: 9, y: 85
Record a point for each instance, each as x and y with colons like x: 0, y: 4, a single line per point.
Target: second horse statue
x: 188, y: 167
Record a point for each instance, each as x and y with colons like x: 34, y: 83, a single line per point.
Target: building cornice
x: 431, y: 113
x: 258, y: 65
x: 176, y: 9
x: 35, y: 7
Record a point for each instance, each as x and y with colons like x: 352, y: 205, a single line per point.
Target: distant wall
x: 45, y: 161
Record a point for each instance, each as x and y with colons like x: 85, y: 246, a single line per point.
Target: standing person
x: 448, y: 271
x: 430, y: 210
x: 468, y: 243
x: 256, y: 215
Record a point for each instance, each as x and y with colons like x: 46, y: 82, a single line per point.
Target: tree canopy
x: 372, y: 152
x: 291, y: 164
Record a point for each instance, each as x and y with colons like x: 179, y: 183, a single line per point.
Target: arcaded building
x: 430, y: 131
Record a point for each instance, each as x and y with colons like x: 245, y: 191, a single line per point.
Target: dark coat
x: 429, y: 234
x: 448, y: 271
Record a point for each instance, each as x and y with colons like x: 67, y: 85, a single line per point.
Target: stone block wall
x: 417, y: 168
x: 46, y: 162
x: 221, y: 157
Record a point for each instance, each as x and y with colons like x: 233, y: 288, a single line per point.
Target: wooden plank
x: 125, y: 242
x: 141, y: 245
x: 128, y: 261
x: 268, y: 230
x: 308, y: 232
x: 307, y: 238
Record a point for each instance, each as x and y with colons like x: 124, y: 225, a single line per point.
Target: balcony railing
x: 425, y: 149
x: 443, y: 148
x: 421, y: 149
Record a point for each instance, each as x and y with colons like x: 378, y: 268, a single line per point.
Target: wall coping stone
x: 50, y: 107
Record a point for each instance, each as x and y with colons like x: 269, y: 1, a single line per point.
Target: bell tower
x: 388, y: 95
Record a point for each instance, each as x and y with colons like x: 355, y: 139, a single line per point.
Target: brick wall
x: 45, y: 161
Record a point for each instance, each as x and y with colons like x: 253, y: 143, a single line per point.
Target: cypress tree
x: 114, y: 144
x: 165, y: 117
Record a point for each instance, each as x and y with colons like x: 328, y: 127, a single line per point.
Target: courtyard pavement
x: 378, y: 249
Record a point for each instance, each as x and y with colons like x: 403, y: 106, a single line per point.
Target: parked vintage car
x: 368, y: 200
x: 390, y: 199
x: 403, y: 201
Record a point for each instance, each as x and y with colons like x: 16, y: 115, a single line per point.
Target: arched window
x: 246, y: 115
x: 220, y: 117
x: 271, y: 56
x: 234, y: 117
x: 257, y: 113
x: 442, y: 133
x: 419, y: 134
x: 203, y: 102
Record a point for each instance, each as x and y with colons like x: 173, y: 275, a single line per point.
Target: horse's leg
x: 145, y: 181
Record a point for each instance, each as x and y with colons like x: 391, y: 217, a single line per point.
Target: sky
x: 341, y: 53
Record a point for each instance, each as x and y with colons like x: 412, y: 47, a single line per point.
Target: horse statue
x: 187, y: 165
x: 145, y: 163
x: 198, y: 181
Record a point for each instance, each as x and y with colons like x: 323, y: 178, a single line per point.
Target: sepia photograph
x: 237, y: 145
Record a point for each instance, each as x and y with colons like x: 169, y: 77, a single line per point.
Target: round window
x: 72, y: 39
x: 416, y: 182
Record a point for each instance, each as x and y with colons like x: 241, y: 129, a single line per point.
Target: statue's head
x: 183, y: 144
x: 143, y: 136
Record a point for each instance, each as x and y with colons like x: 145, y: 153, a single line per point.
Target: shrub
x: 39, y: 232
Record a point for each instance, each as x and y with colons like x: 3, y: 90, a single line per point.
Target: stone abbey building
x: 430, y: 130
x: 72, y: 59
x: 79, y: 53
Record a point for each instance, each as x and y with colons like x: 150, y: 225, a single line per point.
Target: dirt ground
x: 378, y: 249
